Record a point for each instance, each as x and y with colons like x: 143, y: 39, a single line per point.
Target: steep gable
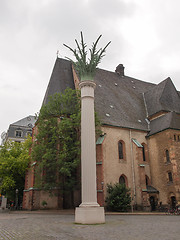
x: 170, y: 99
x: 162, y: 97
x: 61, y: 78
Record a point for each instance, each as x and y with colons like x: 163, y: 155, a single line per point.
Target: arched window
x: 123, y: 180
x: 121, y: 149
x: 167, y: 156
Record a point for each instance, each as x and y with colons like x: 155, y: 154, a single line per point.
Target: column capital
x: 87, y: 83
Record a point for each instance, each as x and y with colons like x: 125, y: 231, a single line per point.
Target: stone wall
x: 129, y: 165
x: 160, y: 167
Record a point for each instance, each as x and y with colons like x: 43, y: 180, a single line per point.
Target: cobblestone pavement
x: 37, y: 226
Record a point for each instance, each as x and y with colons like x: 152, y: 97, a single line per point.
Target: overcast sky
x: 145, y: 37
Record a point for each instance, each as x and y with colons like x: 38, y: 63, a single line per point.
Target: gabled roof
x: 170, y: 120
x: 28, y: 121
x: 25, y: 124
x: 120, y: 100
x: 162, y: 97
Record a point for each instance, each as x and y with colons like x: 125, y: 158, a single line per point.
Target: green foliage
x: 57, y: 146
x: 86, y: 69
x: 56, y: 149
x: 118, y: 198
x: 44, y: 203
x: 14, y: 160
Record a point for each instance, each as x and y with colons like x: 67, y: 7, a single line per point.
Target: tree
x: 14, y: 160
x: 56, y: 149
x: 87, y: 67
x: 57, y: 146
x: 118, y: 198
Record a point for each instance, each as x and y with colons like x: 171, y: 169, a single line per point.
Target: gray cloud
x: 145, y: 37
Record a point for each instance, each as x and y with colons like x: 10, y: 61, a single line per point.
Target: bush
x: 118, y: 198
x: 44, y: 203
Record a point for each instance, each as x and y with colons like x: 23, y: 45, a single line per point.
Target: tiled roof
x: 61, y: 78
x: 121, y: 100
x: 26, y: 124
x: 28, y: 121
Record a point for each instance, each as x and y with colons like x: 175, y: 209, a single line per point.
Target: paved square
x: 37, y: 226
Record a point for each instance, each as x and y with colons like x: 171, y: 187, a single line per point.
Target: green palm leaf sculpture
x: 86, y: 67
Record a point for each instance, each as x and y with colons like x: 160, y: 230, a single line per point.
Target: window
x: 18, y: 133
x: 147, y: 180
x: 122, y: 180
x: 167, y: 156
x: 121, y: 149
x: 143, y: 152
x: 174, y: 137
x: 170, y: 178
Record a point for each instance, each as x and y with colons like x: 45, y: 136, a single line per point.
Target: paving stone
x: 53, y: 226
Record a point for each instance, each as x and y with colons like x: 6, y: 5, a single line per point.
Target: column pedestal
x: 89, y: 215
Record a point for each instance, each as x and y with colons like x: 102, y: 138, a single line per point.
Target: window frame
x: 167, y: 156
x: 170, y: 177
x: 17, y: 135
x: 144, y: 152
x: 125, y: 180
x: 122, y: 153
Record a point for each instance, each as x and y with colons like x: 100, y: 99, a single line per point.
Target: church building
x: 140, y: 141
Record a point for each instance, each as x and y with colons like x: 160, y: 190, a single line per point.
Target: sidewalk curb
x: 72, y: 212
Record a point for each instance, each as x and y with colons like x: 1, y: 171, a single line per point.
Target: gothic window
x: 167, y: 156
x: 123, y: 179
x: 121, y: 150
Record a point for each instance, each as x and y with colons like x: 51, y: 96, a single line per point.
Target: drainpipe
x: 132, y: 168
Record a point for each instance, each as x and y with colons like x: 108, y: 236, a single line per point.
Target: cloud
x: 145, y: 37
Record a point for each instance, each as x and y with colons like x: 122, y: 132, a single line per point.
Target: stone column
x: 89, y: 211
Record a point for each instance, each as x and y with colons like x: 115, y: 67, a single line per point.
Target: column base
x: 89, y: 215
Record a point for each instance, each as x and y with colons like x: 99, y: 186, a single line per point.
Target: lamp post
x: 17, y: 198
